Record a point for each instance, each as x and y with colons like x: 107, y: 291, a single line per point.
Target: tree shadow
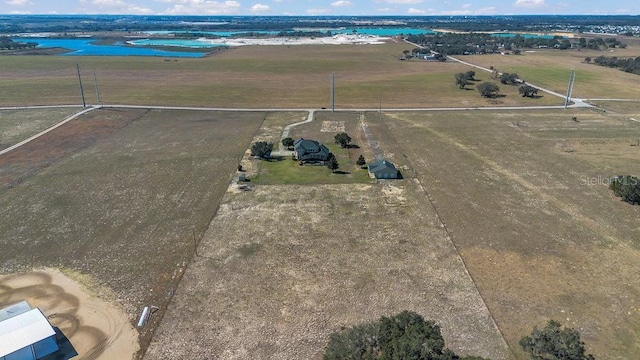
x: 340, y: 172
x: 274, y: 158
x: 352, y: 146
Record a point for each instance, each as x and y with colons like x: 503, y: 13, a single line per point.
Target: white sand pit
x: 96, y: 328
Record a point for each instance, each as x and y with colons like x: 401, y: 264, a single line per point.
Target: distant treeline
x: 630, y: 65
x: 93, y: 23
x: 6, y: 43
x: 477, y: 43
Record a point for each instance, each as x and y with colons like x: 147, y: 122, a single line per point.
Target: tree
x: 461, y: 80
x: 470, y: 75
x: 587, y: 59
x: 440, y: 57
x: 488, y: 89
x: 288, y: 142
x: 626, y: 187
x: 517, y: 52
x: 343, y: 139
x: 527, y: 91
x: 507, y: 78
x: 361, y: 161
x: 406, y: 336
x: 554, y: 342
x: 261, y: 149
x: 332, y: 163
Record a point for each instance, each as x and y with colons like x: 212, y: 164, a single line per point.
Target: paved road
x: 85, y: 110
x: 285, y: 133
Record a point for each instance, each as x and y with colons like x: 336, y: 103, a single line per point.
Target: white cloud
x: 455, y: 12
x: 18, y: 2
x: 487, y: 10
x: 260, y: 8
x: 416, y: 11
x: 530, y: 3
x: 404, y: 2
x: 318, y: 11
x: 112, y: 7
x: 340, y: 3
x: 202, y: 7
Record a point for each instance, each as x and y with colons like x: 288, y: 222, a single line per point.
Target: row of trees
x: 408, y: 336
x: 630, y: 65
x: 6, y: 43
x: 479, y: 43
x: 489, y: 89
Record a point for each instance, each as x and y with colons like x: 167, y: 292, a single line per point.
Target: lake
x: 84, y: 47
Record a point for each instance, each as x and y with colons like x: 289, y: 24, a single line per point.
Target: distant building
x: 25, y: 333
x: 383, y: 169
x: 310, y: 151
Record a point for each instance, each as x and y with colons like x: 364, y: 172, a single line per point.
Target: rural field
x: 280, y: 77
x: 550, y: 69
x: 281, y: 267
x: 524, y: 197
x: 18, y: 125
x: 120, y: 196
x: 503, y: 219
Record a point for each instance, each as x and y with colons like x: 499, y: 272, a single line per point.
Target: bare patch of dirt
x: 95, y: 326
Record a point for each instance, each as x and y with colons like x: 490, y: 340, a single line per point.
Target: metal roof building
x: 25, y: 333
x: 383, y: 169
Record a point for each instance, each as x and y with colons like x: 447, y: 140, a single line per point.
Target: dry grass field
x: 252, y: 76
x: 524, y: 195
x: 502, y: 222
x: 18, y: 125
x: 122, y: 207
x: 550, y: 69
x: 283, y: 266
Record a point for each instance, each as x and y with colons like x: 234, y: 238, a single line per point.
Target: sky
x: 321, y: 7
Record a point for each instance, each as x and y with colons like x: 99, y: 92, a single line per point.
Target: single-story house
x: 383, y: 169
x: 307, y: 150
x: 25, y: 333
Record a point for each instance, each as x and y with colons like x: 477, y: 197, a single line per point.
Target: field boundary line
x: 449, y: 237
x: 13, y: 147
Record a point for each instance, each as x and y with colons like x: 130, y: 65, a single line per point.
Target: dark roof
x: 382, y: 167
x: 310, y: 148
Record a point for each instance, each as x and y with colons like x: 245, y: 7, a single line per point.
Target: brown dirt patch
x: 94, y: 325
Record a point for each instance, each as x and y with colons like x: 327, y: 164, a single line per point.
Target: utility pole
x: 333, y: 92
x: 84, y: 104
x: 95, y: 81
x: 572, y: 79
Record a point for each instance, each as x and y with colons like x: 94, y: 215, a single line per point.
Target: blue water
x: 83, y: 47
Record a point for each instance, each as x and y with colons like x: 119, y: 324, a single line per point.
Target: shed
x: 25, y: 333
x: 383, y: 169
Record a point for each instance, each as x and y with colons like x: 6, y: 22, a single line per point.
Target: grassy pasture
x: 256, y: 76
x: 283, y: 266
x: 550, y: 69
x: 125, y: 209
x: 18, y: 125
x: 525, y: 198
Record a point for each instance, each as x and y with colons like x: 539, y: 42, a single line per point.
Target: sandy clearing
x: 97, y: 329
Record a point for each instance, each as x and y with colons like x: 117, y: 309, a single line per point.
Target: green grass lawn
x: 287, y: 171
